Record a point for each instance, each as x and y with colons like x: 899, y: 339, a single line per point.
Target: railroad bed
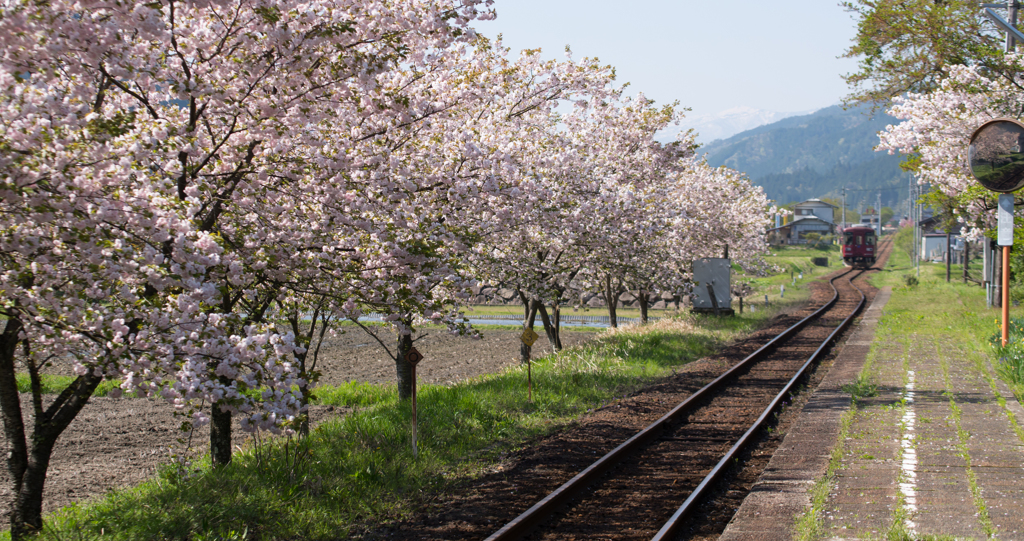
x: 634, y: 491
x: 654, y: 481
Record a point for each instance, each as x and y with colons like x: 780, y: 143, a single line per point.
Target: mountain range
x: 712, y: 127
x: 815, y: 156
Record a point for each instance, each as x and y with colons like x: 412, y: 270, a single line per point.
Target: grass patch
x: 354, y: 394
x: 52, y: 384
x: 940, y: 309
x: 809, y: 525
x: 964, y: 453
x: 793, y: 261
x: 358, y: 470
x: 862, y: 387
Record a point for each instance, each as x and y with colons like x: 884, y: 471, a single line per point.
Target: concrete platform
x: 935, y: 453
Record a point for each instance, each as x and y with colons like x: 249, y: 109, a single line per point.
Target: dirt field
x: 118, y: 442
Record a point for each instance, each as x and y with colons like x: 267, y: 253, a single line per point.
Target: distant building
x: 811, y: 216
x: 816, y: 208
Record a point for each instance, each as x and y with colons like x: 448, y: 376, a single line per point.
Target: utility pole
x: 879, y: 232
x: 909, y: 195
x: 949, y: 254
x: 844, y: 207
x: 913, y: 220
x: 920, y: 241
x: 1011, y: 8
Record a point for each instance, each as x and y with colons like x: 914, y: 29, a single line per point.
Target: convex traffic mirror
x: 996, y: 155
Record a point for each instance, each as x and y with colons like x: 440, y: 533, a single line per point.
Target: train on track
x: 859, y: 246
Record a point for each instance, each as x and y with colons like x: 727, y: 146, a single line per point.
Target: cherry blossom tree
x: 935, y: 132
x: 158, y: 166
x: 699, y: 211
x: 179, y: 177
x: 603, y: 146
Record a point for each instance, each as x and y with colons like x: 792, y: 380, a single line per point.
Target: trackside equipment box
x: 716, y: 272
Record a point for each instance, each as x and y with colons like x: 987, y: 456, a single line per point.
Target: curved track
x: 648, y: 487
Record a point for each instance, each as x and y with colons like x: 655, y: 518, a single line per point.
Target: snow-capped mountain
x: 723, y: 124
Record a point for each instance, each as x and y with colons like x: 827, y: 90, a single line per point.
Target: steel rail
x: 524, y: 523
x: 669, y: 530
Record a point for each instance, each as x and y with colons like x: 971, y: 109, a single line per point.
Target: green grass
x: 354, y: 394
x: 792, y: 261
x: 862, y: 387
x: 52, y: 384
x: 954, y: 309
x: 808, y: 526
x: 358, y: 470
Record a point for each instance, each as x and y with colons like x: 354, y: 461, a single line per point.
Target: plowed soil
x: 120, y: 442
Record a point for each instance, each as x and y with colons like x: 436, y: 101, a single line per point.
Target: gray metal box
x: 717, y: 272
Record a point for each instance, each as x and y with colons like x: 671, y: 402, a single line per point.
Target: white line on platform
x: 909, y: 466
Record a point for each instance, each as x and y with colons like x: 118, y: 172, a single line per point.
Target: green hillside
x: 817, y: 155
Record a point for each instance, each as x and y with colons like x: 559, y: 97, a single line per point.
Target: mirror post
x: 1006, y: 295
x: 995, y: 156
x: 1005, y: 240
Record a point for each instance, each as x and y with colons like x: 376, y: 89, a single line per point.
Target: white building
x: 816, y: 208
x: 811, y: 216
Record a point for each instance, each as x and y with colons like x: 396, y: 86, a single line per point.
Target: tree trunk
x: 645, y: 299
x: 967, y: 257
x: 28, y: 464
x: 27, y: 516
x: 300, y: 360
x: 403, y: 367
x: 550, y: 329
x: 949, y: 255
x: 529, y: 317
x: 14, y: 427
x: 556, y: 312
x: 611, y: 298
x: 220, y: 436
x: 304, y: 422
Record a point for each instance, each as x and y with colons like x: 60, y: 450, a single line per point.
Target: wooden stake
x: 415, y: 451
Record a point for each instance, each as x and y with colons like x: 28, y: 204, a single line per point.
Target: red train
x: 859, y: 246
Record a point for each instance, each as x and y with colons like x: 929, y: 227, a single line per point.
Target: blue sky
x: 709, y: 55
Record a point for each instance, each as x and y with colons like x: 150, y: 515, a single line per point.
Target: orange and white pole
x: 1006, y: 294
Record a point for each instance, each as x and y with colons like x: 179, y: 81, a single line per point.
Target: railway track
x: 649, y: 486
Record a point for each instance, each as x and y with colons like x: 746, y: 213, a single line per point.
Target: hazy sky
x: 710, y: 55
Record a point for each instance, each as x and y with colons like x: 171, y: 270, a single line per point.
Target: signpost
x: 529, y: 337
x: 413, y: 357
x: 996, y: 159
